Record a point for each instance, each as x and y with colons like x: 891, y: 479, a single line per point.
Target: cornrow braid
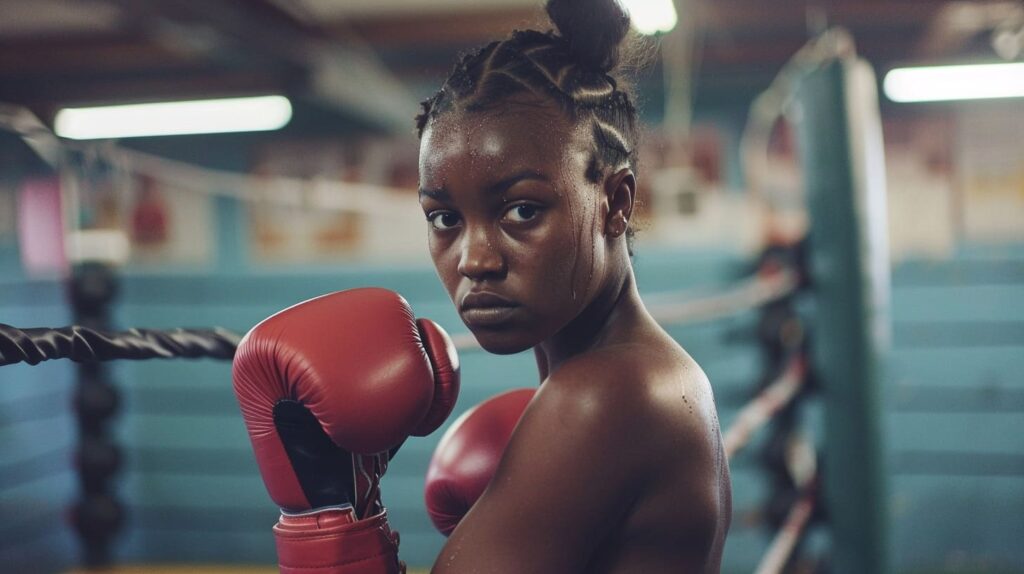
x: 541, y: 64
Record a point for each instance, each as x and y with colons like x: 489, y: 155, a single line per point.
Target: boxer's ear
x: 620, y: 191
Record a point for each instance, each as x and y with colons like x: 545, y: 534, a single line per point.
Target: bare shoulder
x: 644, y: 375
x: 651, y: 389
x: 588, y: 455
x: 608, y: 446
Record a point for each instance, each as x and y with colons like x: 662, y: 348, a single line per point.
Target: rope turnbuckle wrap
x: 83, y: 344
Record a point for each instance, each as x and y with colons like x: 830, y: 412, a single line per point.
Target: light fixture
x: 261, y: 113
x: 966, y: 82
x: 651, y: 16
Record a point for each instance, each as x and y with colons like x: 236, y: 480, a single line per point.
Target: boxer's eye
x: 443, y: 220
x: 522, y: 212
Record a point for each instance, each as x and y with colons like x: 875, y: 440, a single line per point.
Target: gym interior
x: 871, y: 150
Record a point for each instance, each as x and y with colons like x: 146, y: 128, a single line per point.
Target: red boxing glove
x: 327, y: 388
x: 467, y: 456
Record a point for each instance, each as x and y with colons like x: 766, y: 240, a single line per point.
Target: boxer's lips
x: 483, y: 309
x: 488, y: 316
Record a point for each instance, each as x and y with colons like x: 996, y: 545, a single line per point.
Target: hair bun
x: 594, y: 30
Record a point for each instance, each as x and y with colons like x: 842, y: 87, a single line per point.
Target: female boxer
x: 528, y: 182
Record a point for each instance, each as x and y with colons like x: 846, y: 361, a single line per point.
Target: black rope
x: 82, y: 344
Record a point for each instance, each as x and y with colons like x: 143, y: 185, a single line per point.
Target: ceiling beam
x: 957, y: 23
x: 344, y: 77
x: 741, y: 17
x: 467, y: 27
x: 79, y: 56
x: 46, y: 94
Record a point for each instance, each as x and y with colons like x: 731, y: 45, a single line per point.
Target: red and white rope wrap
x: 775, y: 559
x: 764, y: 406
x: 750, y: 293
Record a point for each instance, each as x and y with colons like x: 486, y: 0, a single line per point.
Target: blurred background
x: 226, y: 228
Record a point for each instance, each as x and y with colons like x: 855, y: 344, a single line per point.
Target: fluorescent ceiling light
x: 254, y: 114
x: 651, y: 16
x: 939, y: 83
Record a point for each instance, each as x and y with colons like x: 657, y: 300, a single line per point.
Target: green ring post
x: 838, y: 126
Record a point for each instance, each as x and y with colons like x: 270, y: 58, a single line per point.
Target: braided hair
x: 576, y: 65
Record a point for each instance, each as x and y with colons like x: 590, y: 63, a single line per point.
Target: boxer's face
x: 514, y: 225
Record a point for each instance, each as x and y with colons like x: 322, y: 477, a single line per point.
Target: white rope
x: 23, y: 123
x: 306, y: 194
x: 296, y: 193
x: 775, y: 559
x: 747, y: 294
x: 763, y: 407
x: 772, y: 104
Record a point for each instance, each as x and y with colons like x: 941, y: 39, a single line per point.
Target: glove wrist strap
x: 333, y: 541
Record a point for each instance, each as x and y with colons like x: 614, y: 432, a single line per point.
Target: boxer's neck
x: 614, y: 313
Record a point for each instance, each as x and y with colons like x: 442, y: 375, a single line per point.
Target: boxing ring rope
x: 33, y: 345
x: 82, y: 344
x: 750, y: 293
x: 764, y: 406
x: 801, y: 464
x: 752, y: 417
x: 320, y: 195
x: 781, y: 548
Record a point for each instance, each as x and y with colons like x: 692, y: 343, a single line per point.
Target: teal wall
x: 955, y: 413
x: 37, y: 436
x: 37, y: 431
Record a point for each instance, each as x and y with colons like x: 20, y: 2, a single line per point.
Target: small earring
x: 618, y: 225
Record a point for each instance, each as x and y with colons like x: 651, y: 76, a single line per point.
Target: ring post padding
x: 839, y: 132
x: 98, y: 514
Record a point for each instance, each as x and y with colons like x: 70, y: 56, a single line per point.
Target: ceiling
x: 370, y: 61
